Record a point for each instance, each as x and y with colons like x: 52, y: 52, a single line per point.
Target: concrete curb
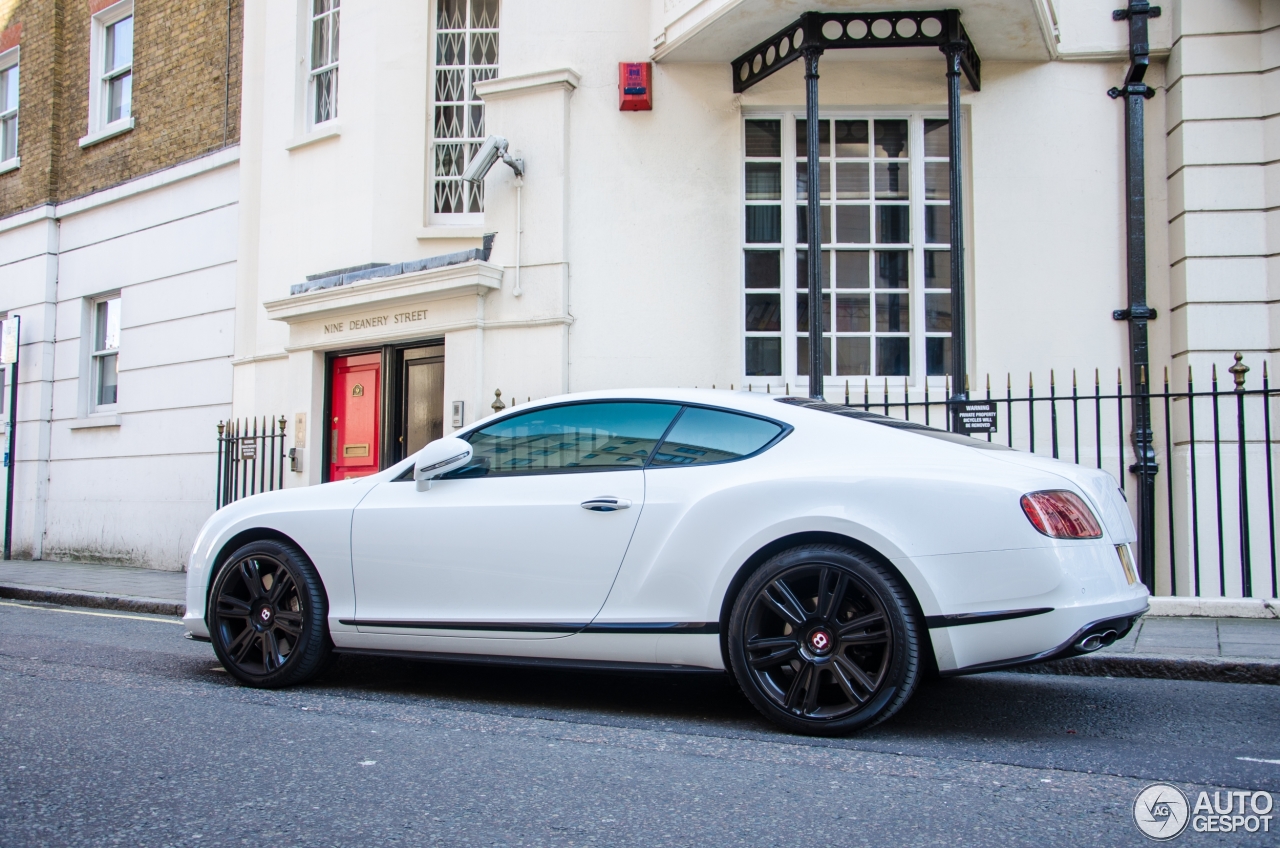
x: 93, y: 600
x: 1215, y: 607
x: 1209, y: 669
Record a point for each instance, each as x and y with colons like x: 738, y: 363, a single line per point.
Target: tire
x: 268, y: 616
x: 824, y: 640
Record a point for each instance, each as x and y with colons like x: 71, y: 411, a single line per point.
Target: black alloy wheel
x: 823, y: 640
x: 267, y: 616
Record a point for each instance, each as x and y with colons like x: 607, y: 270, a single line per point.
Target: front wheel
x: 823, y: 640
x: 268, y: 616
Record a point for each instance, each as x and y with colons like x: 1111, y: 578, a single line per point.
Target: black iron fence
x: 1207, y: 522
x: 251, y: 457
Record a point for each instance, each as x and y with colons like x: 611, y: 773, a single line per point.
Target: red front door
x: 356, y: 402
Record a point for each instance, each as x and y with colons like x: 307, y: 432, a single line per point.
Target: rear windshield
x: 895, y: 423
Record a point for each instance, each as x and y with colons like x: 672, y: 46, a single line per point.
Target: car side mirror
x: 438, y: 458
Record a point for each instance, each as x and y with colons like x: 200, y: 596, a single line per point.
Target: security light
x: 493, y: 149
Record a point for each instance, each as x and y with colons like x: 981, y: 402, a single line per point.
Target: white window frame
x: 100, y: 129
x: 792, y: 369
x: 94, y: 357
x: 470, y: 142
x: 330, y: 68
x: 10, y: 59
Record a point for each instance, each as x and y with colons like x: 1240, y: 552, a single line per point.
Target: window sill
x: 445, y: 231
x: 94, y: 422
x: 109, y: 131
x: 330, y: 129
x: 10, y: 165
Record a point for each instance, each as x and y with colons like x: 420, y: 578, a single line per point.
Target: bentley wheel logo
x: 266, y: 614
x: 820, y: 640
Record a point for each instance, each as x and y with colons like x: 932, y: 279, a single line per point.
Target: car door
x: 522, y: 543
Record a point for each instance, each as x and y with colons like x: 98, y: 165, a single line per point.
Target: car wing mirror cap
x: 439, y: 458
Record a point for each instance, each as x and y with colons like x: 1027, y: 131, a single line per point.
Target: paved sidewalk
x: 1242, y: 650
x: 92, y: 585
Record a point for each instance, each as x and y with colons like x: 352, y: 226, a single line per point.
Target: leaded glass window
x: 886, y: 289
x: 323, y: 80
x: 466, y: 53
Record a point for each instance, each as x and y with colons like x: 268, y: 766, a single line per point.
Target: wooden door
x: 356, y: 408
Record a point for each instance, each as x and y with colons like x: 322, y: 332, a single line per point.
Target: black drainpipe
x: 1138, y: 313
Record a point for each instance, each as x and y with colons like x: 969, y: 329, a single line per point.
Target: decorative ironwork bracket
x: 846, y: 30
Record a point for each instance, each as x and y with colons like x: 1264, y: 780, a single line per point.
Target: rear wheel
x: 267, y: 616
x: 823, y: 640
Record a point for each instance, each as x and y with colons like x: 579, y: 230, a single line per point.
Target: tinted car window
x: 576, y: 437
x: 703, y: 436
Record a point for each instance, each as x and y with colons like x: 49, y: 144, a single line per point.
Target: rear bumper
x: 1120, y: 626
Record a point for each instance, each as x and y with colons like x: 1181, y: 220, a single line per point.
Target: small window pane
x: 802, y: 355
x: 937, y: 224
x: 893, y: 224
x: 853, y: 224
x: 892, y: 180
x: 937, y: 352
x: 8, y: 138
x: 802, y: 181
x: 450, y: 14
x: 893, y: 357
x: 937, y: 180
x: 764, y: 138
x: 764, y: 313
x: 764, y: 357
x: 937, y: 313
x: 763, y: 269
x: 484, y: 14
x: 451, y: 49
x: 853, y: 313
x: 119, y: 44
x: 851, y: 138
x: 764, y: 181
x: 704, y: 436
x: 824, y: 139
x: 936, y: 142
x: 802, y: 312
x: 937, y: 269
x: 9, y: 89
x: 106, y: 379
x: 802, y: 269
x: 893, y: 313
x: 891, y: 139
x: 802, y: 225
x: 764, y: 224
x: 853, y: 269
x: 484, y: 48
x: 853, y: 181
x: 119, y: 97
x: 892, y: 269
x: 853, y: 357
x: 599, y: 436
x: 107, y: 325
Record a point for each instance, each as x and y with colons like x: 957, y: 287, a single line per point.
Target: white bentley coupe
x: 825, y: 556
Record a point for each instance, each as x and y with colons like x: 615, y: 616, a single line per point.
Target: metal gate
x: 251, y: 457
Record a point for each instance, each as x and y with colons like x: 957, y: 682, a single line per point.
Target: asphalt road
x: 114, y: 730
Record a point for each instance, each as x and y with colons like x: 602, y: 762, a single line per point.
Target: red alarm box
x: 635, y: 88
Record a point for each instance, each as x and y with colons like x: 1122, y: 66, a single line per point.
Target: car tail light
x: 1060, y: 514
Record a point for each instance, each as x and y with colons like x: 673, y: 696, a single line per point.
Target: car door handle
x: 606, y: 504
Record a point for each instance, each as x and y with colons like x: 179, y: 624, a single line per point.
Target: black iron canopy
x: 810, y: 36
x: 849, y: 30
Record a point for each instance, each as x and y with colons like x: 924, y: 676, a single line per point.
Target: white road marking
x: 85, y: 612
x: 1256, y: 760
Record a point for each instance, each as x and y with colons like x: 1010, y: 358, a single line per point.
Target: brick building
x: 119, y: 132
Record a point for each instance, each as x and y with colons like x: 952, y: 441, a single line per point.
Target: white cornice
x: 220, y: 159
x: 561, y: 78
x: 470, y: 278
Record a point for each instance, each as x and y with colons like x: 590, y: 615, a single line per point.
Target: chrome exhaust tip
x: 1096, y: 641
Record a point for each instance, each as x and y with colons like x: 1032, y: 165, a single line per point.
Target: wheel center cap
x: 820, y: 641
x: 265, y: 615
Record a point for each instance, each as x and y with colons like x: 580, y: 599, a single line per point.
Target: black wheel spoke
x: 842, y: 676
x: 851, y: 628
x: 784, y: 602
x: 829, y: 597
x: 290, y: 623
x: 283, y: 582
x: 801, y: 686
x: 232, y: 607
x: 270, y: 651
x: 856, y: 674
x: 252, y: 578
x: 243, y: 644
x: 779, y: 650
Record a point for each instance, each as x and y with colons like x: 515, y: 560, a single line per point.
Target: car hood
x: 1097, y: 485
